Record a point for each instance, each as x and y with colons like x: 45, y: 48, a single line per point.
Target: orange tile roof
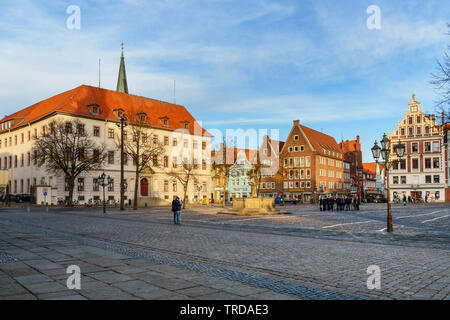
x: 371, y: 167
x: 249, y: 153
x: 321, y: 140
x: 75, y: 102
x: 350, y: 146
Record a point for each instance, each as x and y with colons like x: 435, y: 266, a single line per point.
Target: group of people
x: 339, y: 203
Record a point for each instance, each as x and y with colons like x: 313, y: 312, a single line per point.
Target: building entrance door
x: 144, y: 187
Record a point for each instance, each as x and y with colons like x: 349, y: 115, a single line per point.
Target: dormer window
x: 165, y: 121
x: 94, y: 109
x: 185, y: 124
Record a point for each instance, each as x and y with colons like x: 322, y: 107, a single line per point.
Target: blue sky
x: 238, y: 64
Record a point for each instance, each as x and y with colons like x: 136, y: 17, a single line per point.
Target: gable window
x: 295, y: 137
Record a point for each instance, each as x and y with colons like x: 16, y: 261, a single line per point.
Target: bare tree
x: 441, y: 82
x: 65, y: 147
x: 144, y: 148
x: 184, y: 174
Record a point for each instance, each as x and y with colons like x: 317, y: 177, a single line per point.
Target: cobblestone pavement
x: 142, y: 255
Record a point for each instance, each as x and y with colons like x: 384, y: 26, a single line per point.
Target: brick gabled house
x: 271, y: 183
x: 312, y: 165
x: 353, y: 154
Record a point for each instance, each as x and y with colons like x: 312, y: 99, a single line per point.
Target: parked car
x: 23, y: 197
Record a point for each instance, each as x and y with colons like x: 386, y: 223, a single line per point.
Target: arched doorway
x: 144, y: 187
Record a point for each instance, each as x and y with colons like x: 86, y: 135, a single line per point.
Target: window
x: 415, y: 163
x: 166, y: 186
x: 80, y: 184
x: 308, y: 161
x: 155, y: 160
x: 302, y: 148
x: 96, y: 131
x: 22, y: 138
x: 125, y: 158
x: 15, y: 161
x: 80, y: 128
x: 411, y: 131
x: 402, y: 130
x: 155, y: 139
x: 295, y: 137
x: 111, y: 186
x: 174, y: 142
x: 166, y: 141
x: 403, y: 179
x: 111, y: 157
x: 395, y: 180
x: 436, y: 146
x: 166, y: 161
x: 427, y: 146
x: 415, y: 147
x: 68, y: 127
x: 403, y: 164
x: 22, y: 160
x: 96, y: 155
x: 95, y: 185
x: 204, y: 145
x: 418, y: 119
x: 290, y: 149
x: 427, y: 130
x: 296, y: 149
x: 410, y: 120
x: 427, y: 179
x: 174, y: 186
x: 435, y: 163
x: 174, y: 162
x: 427, y: 163
x: 203, y: 165
x: 195, y: 144
x: 111, y: 133
x: 436, y: 179
x: 419, y: 130
x: 166, y: 122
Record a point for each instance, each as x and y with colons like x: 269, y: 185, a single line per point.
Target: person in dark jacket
x: 176, y: 208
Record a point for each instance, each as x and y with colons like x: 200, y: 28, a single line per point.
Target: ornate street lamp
x: 104, y: 181
x: 122, y: 124
x: 385, y: 153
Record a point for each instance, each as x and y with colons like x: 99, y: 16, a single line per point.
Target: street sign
x: 45, y: 193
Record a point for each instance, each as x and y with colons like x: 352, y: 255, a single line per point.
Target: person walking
x: 176, y: 208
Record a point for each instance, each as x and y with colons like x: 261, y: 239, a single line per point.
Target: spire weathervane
x: 122, y: 84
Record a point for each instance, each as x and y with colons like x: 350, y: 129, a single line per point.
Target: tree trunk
x: 71, y: 186
x: 136, y: 187
x: 184, y: 197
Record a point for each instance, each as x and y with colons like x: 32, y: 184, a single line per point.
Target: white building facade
x: 171, y: 124
x: 420, y: 174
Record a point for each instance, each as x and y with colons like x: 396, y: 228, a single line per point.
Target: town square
x: 272, y: 150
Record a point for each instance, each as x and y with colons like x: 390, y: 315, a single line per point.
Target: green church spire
x: 122, y: 85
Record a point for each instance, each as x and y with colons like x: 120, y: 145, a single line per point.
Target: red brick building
x: 352, y: 153
x: 312, y: 164
x: 271, y: 184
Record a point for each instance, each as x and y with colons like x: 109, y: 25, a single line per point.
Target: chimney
x: 443, y: 118
x: 296, y: 122
x: 357, y: 139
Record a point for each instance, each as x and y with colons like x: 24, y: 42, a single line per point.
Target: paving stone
x: 136, y: 287
x: 45, y: 287
x: 33, y: 279
x: 109, y: 276
x: 198, y: 291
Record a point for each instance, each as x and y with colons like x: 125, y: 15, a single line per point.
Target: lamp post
x: 122, y: 124
x: 104, y: 181
x: 385, y: 152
